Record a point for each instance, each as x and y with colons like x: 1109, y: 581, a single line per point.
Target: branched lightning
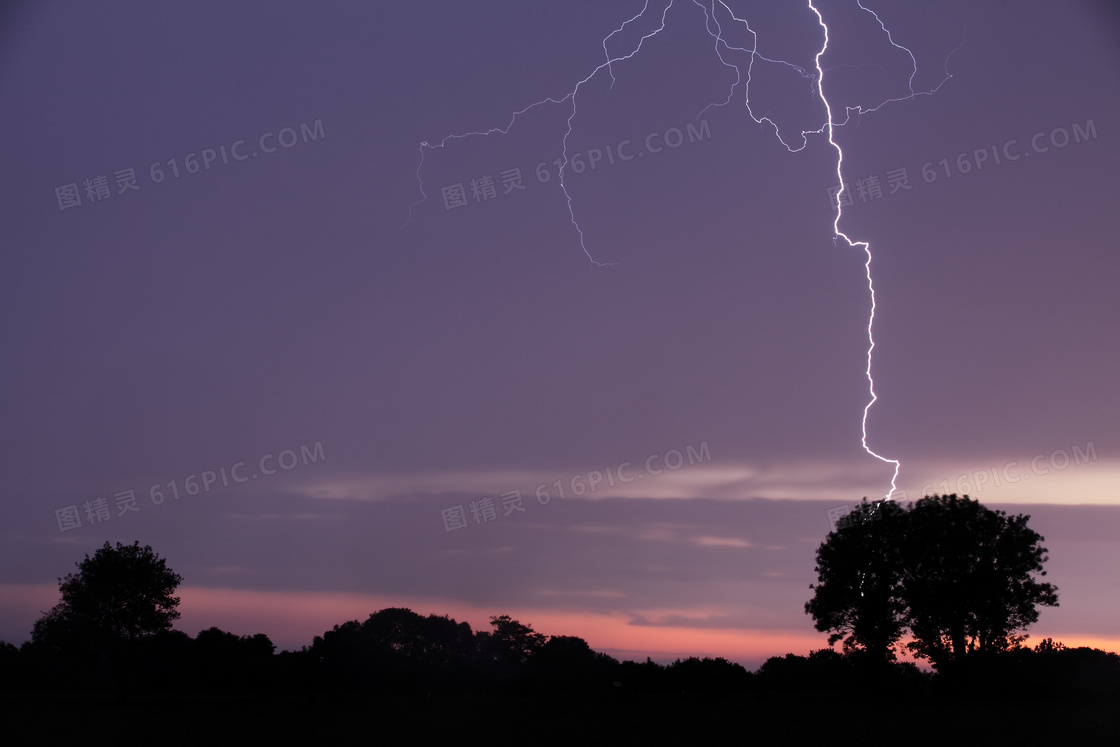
x: 815, y: 78
x: 711, y: 20
x: 570, y: 96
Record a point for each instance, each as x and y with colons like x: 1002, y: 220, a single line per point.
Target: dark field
x: 615, y: 720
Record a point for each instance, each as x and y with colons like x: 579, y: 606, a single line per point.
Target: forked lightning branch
x: 741, y: 60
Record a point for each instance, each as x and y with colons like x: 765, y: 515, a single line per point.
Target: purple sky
x: 286, y: 296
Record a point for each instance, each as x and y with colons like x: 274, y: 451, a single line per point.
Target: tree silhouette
x: 858, y: 594
x: 707, y: 675
x: 395, y: 648
x: 118, y: 596
x: 227, y: 662
x: 958, y: 575
x: 968, y: 579
x: 434, y: 641
x: 511, y: 642
x: 567, y: 662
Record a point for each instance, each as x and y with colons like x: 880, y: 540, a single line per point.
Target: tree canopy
x: 960, y: 577
x: 511, y: 642
x: 121, y: 594
x: 858, y: 594
x: 968, y: 578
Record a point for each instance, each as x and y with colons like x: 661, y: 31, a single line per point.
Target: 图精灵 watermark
x: 98, y: 510
x: 484, y: 188
x: 485, y: 510
x: 870, y: 188
x: 1011, y: 473
x: 972, y: 483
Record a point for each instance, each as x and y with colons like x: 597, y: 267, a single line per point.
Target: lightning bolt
x: 815, y: 86
x: 865, y: 246
x: 837, y: 233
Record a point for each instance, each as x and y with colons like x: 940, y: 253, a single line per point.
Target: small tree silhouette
x: 118, y: 596
x: 511, y: 642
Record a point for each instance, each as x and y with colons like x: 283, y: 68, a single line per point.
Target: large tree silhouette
x: 957, y: 574
x: 858, y: 593
x: 968, y: 578
x: 118, y: 596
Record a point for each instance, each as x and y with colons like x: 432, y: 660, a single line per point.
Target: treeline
x: 398, y: 652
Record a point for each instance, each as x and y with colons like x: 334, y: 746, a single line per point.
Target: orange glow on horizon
x: 293, y: 619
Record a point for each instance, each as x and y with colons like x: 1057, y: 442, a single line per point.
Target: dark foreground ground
x: 616, y: 720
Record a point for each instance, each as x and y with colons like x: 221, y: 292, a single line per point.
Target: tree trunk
x: 957, y: 636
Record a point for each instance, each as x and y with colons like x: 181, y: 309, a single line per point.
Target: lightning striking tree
x: 858, y: 595
x: 958, y: 575
x: 718, y: 19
